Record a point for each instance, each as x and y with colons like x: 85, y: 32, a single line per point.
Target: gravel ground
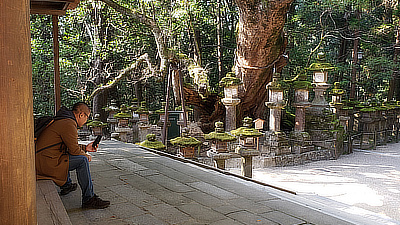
x: 368, y: 180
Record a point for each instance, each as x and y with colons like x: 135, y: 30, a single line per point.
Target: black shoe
x: 95, y: 203
x: 70, y: 188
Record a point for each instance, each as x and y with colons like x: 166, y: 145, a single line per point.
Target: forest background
x: 122, y: 50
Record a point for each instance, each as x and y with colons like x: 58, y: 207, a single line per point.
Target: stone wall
x: 277, y: 161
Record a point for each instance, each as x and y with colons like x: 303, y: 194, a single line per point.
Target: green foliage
x: 96, y: 42
x: 333, y: 32
x: 229, y: 80
x: 42, y: 65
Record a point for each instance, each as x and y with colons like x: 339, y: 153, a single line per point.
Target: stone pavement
x: 148, y: 188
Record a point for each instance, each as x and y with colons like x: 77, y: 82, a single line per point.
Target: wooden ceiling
x: 52, y: 7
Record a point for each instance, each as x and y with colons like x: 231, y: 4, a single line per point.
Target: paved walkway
x: 148, y: 188
x: 367, y: 180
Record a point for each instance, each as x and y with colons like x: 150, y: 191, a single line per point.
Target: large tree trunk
x: 393, y: 92
x: 260, y: 48
x: 355, y: 59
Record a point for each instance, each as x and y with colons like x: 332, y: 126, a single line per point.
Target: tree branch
x: 152, y: 24
x: 122, y: 74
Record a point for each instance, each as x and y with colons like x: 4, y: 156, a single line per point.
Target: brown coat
x: 53, y: 163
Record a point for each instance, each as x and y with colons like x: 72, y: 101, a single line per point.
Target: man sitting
x: 58, y: 152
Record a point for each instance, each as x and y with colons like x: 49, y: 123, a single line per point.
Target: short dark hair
x: 79, y: 107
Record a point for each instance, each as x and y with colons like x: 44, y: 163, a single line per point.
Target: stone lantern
x: 133, y: 108
x: 336, y: 93
x: 301, y: 138
x: 112, y: 110
x: 151, y: 142
x: 143, y: 113
x: 320, y: 78
x: 301, y: 87
x: 219, y: 144
x: 123, y: 129
x: 338, y: 105
x: 276, y: 103
x: 161, y: 113
x: 231, y: 100
x: 276, y: 140
x: 187, y: 145
x: 247, y: 145
x: 123, y: 117
x: 247, y: 135
x: 96, y: 125
x: 143, y: 123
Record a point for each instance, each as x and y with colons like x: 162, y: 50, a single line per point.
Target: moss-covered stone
x: 113, y: 106
x: 219, y: 134
x: 230, y: 80
x: 246, y: 130
x: 224, y: 137
x: 185, y: 141
x: 95, y: 123
x: 337, y: 90
x: 321, y: 65
x: 123, y: 115
x: 277, y: 83
x: 152, y: 143
x: 368, y: 109
x: 157, y: 145
x: 302, y: 84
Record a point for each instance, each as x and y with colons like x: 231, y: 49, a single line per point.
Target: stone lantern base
x: 97, y: 131
x: 220, y: 159
x: 276, y: 143
x: 301, y: 142
x: 125, y: 134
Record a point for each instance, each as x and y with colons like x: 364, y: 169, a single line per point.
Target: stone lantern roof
x: 142, y: 109
x: 162, y: 109
x: 321, y: 65
x: 230, y: 80
x: 96, y: 122
x: 113, y: 106
x: 246, y: 130
x: 301, y: 82
x: 152, y: 143
x: 336, y: 89
x: 219, y: 134
x: 277, y: 83
x: 185, y: 140
x: 124, y: 113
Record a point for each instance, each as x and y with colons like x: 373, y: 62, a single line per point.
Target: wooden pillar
x: 17, y: 154
x: 56, y: 52
x: 164, y: 135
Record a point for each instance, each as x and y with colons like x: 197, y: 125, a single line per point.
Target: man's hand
x: 90, y: 148
x: 89, y: 157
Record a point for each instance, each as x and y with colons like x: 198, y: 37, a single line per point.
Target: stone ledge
x: 50, y: 209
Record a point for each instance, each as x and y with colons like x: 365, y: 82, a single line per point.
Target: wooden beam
x: 56, y: 51
x: 17, y: 152
x: 48, y: 12
x: 56, y: 1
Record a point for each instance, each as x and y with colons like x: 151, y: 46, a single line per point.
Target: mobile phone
x: 97, y: 141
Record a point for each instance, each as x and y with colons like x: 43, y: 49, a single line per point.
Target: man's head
x: 81, y: 111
